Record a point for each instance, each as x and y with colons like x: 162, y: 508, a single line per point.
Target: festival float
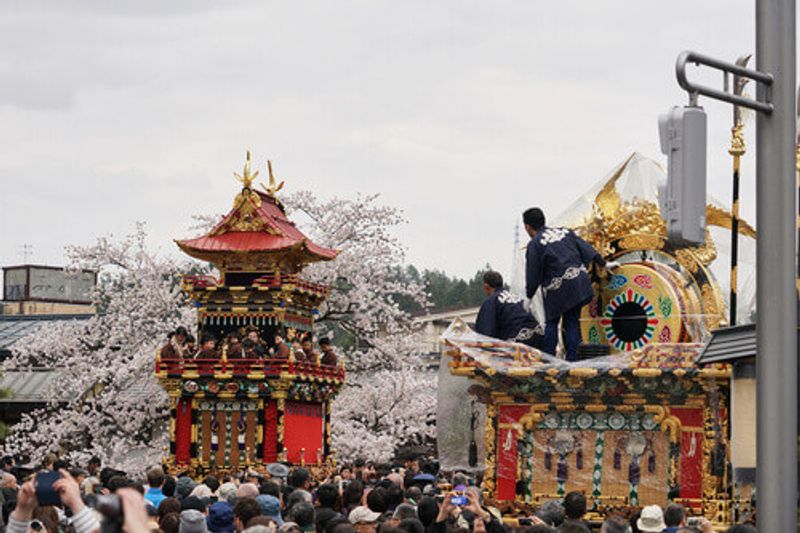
x: 636, y: 421
x: 232, y: 412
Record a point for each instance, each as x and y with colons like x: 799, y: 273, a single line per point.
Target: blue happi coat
x: 503, y: 316
x: 557, y: 260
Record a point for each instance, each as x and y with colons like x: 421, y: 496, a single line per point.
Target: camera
x: 695, y: 522
x: 109, y: 506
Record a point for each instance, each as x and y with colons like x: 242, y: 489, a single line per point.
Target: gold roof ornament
x: 246, y: 178
x: 272, y: 188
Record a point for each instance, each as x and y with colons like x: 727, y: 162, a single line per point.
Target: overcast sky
x: 461, y: 113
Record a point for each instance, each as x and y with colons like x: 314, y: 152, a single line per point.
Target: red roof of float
x: 276, y: 234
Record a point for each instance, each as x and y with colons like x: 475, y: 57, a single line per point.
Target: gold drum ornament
x: 638, y: 304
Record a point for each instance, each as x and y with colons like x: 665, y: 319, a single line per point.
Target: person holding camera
x: 68, y: 492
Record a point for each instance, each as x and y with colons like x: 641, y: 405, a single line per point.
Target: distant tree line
x: 445, y: 292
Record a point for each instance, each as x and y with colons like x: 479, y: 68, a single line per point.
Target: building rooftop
x: 728, y: 345
x: 15, y: 327
x: 34, y: 386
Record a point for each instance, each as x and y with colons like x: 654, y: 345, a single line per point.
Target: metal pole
x: 776, y: 363
x: 737, y: 150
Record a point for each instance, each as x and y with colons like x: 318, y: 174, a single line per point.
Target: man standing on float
x: 557, y: 260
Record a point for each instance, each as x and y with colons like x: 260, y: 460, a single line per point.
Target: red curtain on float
x: 507, y: 450
x: 270, y: 432
x: 303, y: 430
x: 691, y: 462
x: 183, y: 432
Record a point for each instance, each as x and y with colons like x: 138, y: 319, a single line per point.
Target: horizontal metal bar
x: 764, y: 78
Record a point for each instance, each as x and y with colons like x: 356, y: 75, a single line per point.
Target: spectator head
x: 49, y: 461
x: 299, y: 479
x: 220, y: 518
x: 403, y: 511
x: 303, y: 515
x: 243, y: 511
x: 192, y: 521
x: 353, y: 493
x: 203, y: 492
x: 651, y: 520
x: 476, y: 492
x: 298, y: 496
x: 460, y: 478
x: 427, y: 509
x: 212, y: 483
x: 155, y: 477
x: 168, y: 488
x: 170, y: 522
x: 574, y: 505
x: 322, y: 516
x: 551, y: 513
x: 394, y: 496
x: 333, y: 523
x: 376, y: 500
x: 674, y: 515
x: 116, y: 483
x: 8, y: 481
x: 193, y: 502
x: 247, y: 490
x: 167, y: 506
x: 342, y: 527
x: 363, y: 515
x: 227, y: 492
x: 534, y: 220
x: 184, y: 487
x: 270, y: 487
x: 328, y: 495
x: 270, y: 507
x: 411, y: 525
x: 8, y: 463
x: 615, y: 524
x: 395, y: 478
x: 106, y: 474
x: 413, y: 494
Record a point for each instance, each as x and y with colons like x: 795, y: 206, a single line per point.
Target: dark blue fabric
x: 557, y: 260
x: 503, y: 316
x: 570, y: 322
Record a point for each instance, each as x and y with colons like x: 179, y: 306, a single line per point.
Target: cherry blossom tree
x: 108, y: 402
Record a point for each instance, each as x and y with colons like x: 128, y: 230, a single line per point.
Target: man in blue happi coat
x: 558, y: 261
x: 503, y: 315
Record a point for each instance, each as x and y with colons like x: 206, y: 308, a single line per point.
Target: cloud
x: 461, y: 113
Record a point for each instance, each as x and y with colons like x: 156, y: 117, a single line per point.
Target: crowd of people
x: 246, y: 343
x: 357, y: 498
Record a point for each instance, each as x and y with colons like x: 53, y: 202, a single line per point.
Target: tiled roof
x: 282, y: 236
x: 32, y: 386
x: 730, y: 344
x: 15, y: 327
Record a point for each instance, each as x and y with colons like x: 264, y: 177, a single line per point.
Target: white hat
x: 651, y: 520
x: 363, y: 514
x: 202, y: 492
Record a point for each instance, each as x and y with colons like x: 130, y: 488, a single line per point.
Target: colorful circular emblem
x: 629, y: 320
